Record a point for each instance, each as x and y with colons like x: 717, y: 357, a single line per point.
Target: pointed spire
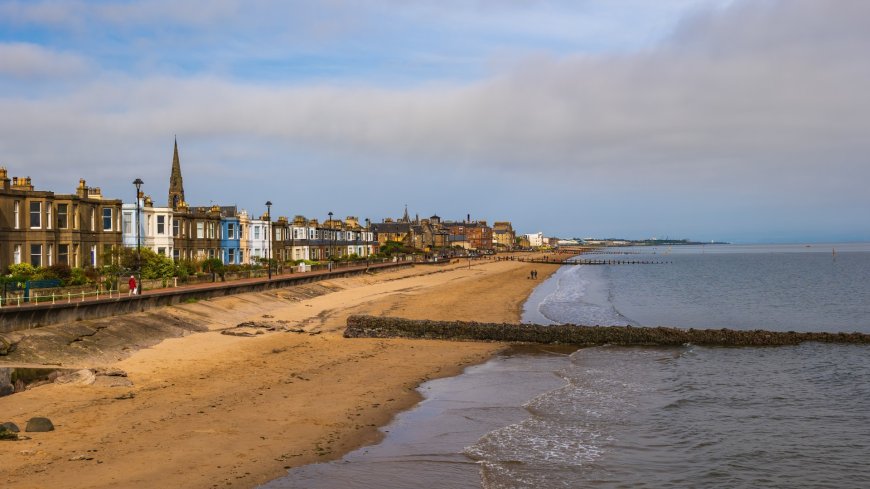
x: 406, y: 217
x: 176, y: 183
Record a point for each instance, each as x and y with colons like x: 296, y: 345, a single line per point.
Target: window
x: 256, y: 232
x: 176, y: 255
x: 35, y: 215
x: 231, y: 231
x: 107, y: 218
x: 16, y: 210
x: 63, y: 254
x: 93, y: 250
x: 211, y: 252
x: 49, y: 254
x: 211, y: 230
x: 36, y: 255
x: 16, y: 254
x: 175, y: 227
x: 62, y: 218
x: 200, y: 230
x: 232, y: 255
x: 161, y: 225
x: 128, y: 223
x: 161, y: 251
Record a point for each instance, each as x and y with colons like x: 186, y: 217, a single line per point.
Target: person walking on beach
x: 132, y: 284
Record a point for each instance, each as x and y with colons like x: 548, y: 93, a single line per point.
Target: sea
x: 681, y: 417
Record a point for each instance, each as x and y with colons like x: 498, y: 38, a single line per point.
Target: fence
x: 68, y: 295
x: 54, y: 297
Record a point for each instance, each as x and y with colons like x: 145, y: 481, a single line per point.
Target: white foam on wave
x: 579, y: 296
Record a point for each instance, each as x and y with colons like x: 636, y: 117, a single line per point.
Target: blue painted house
x: 231, y: 248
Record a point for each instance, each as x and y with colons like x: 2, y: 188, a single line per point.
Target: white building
x: 536, y: 240
x: 300, y: 230
x: 257, y: 234
x: 155, y: 226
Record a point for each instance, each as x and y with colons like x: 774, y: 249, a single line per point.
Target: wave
x: 580, y: 295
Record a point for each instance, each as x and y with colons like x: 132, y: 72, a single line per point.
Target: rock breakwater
x: 572, y: 334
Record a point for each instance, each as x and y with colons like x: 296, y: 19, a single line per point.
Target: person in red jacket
x: 132, y: 284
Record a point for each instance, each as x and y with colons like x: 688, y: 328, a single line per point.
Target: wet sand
x: 213, y: 410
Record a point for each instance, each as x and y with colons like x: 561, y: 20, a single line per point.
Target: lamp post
x: 138, y: 183
x: 269, y: 238
x: 366, y: 241
x: 331, y: 240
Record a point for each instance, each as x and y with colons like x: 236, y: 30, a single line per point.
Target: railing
x: 55, y: 297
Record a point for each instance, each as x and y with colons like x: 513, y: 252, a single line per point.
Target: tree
x: 214, y: 266
x: 22, y: 271
x: 156, y: 266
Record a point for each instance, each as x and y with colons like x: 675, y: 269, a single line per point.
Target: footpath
x: 71, y: 308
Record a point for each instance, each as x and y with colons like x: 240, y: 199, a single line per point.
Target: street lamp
x: 138, y: 183
x: 331, y: 239
x: 366, y: 241
x: 268, y: 237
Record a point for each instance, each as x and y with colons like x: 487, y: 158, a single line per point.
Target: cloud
x: 30, y: 61
x: 760, y: 101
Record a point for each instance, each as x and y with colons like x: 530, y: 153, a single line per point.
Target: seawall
x: 387, y: 327
x: 33, y: 316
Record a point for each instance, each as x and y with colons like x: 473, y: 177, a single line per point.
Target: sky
x: 727, y: 120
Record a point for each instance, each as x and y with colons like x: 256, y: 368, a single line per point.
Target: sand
x: 213, y: 410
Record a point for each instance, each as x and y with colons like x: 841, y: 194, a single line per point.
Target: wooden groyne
x: 615, y: 262
x: 585, y: 261
x: 389, y: 327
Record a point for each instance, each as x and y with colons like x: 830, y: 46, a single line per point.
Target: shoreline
x: 434, y: 435
x: 208, y: 410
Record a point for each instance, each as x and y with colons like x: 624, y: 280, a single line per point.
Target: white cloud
x: 764, y: 101
x: 29, y: 61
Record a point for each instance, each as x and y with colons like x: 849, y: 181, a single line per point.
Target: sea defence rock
x: 39, y: 425
x: 7, y: 434
x: 388, y: 327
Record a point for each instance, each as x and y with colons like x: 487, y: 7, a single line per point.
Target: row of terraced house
x: 80, y: 229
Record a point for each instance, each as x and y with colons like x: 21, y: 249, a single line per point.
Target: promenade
x: 72, y: 307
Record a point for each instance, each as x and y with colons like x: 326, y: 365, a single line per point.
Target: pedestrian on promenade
x: 132, y: 284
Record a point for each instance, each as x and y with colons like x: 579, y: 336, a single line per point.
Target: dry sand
x: 213, y: 410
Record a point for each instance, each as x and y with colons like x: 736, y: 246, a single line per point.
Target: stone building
x: 468, y: 234
x: 503, y: 235
x: 42, y: 228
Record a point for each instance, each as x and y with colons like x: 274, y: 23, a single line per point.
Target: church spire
x: 176, y: 184
x: 406, y: 217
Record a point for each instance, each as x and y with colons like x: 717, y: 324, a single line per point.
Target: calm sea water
x: 653, y: 417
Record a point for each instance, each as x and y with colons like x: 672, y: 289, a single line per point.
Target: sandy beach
x: 213, y: 410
